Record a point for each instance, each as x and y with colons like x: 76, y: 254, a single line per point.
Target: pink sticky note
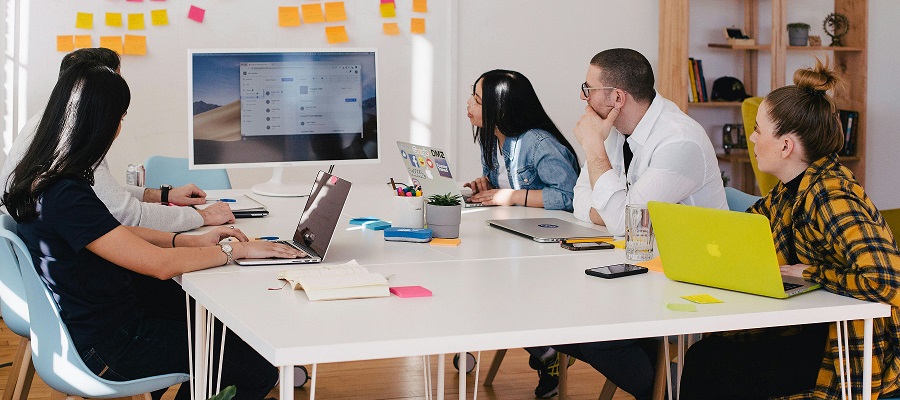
x: 196, y: 13
x: 386, y: 1
x: 136, y: 1
x: 410, y: 291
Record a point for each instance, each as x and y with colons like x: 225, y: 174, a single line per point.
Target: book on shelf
x: 697, y: 92
x: 703, y: 92
x: 692, y: 90
x: 336, y: 282
x: 849, y: 123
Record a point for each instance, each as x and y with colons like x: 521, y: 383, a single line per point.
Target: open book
x: 336, y: 282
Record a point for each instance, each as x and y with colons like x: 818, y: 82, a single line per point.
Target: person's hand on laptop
x: 480, y: 184
x: 187, y: 195
x: 494, y: 197
x: 795, y: 270
x: 212, y: 238
x: 217, y: 214
x: 264, y: 249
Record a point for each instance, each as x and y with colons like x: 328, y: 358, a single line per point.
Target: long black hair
x: 509, y: 104
x: 77, y: 129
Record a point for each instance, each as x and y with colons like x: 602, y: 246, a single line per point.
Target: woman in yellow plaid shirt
x: 827, y: 231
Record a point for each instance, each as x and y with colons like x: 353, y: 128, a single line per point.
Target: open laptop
x: 428, y: 167
x: 317, y: 223
x: 724, y: 249
x: 548, y: 230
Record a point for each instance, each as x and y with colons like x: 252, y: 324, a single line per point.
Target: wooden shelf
x: 824, y: 48
x: 738, y: 47
x: 716, y: 104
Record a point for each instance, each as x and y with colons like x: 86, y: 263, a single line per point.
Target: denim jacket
x: 536, y: 160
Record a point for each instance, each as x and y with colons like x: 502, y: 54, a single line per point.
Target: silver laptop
x: 547, y: 230
x: 317, y: 223
x: 428, y: 167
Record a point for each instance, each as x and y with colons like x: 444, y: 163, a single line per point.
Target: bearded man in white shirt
x: 671, y: 160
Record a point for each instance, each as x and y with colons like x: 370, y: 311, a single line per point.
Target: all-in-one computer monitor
x: 278, y: 108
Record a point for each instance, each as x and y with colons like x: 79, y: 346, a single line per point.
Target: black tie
x: 628, y: 155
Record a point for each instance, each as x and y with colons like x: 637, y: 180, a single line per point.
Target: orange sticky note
x: 654, y: 264
x: 391, y: 28
x: 312, y: 13
x: 159, y: 17
x: 334, y: 11
x: 288, y: 16
x: 417, y: 25
x: 420, y: 6
x: 84, y: 21
x: 388, y: 10
x: 114, y: 19
x: 135, y: 45
x: 135, y: 22
x: 336, y: 34
x: 65, y: 43
x: 113, y: 43
x: 83, y: 41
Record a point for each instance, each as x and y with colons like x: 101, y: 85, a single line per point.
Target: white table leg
x: 286, y: 390
x: 200, y: 354
x: 867, y: 358
x: 463, y: 366
x: 440, y: 373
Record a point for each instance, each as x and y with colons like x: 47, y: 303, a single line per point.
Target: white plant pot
x: 443, y: 220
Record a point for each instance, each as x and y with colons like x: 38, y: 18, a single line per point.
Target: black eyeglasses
x: 586, y: 91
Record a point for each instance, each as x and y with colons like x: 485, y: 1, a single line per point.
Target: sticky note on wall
x: 113, y: 43
x: 312, y: 13
x: 288, y: 16
x: 135, y: 22
x: 417, y: 25
x: 420, y: 6
x: 84, y: 21
x: 388, y: 10
x: 114, y: 19
x: 391, y: 28
x: 83, y: 41
x: 334, y: 11
x: 159, y: 17
x: 336, y: 34
x: 196, y: 13
x: 135, y: 45
x: 65, y: 43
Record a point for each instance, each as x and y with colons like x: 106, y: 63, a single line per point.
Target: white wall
x: 550, y: 42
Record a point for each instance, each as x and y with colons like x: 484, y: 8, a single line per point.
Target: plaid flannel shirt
x: 840, y: 234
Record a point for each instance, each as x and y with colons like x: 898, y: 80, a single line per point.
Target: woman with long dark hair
x: 525, y: 159
x: 88, y: 259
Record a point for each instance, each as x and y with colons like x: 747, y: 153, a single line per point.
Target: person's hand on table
x: 187, y: 195
x: 213, y: 237
x: 494, y: 197
x: 217, y: 214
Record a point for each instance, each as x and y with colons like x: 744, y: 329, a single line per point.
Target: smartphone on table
x: 615, y: 270
x: 576, y: 246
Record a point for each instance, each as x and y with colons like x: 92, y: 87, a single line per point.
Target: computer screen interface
x: 278, y: 108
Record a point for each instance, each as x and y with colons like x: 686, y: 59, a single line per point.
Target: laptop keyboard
x: 790, y: 286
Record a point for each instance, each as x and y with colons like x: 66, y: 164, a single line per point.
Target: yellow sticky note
x: 65, y: 43
x: 159, y: 17
x: 84, y: 21
x: 114, y: 19
x: 336, y: 34
x: 391, y: 28
x: 682, y: 307
x: 701, y: 299
x: 654, y: 264
x: 334, y: 11
x: 388, y: 10
x: 620, y: 244
x: 135, y: 45
x: 113, y: 43
x: 312, y: 13
x: 445, y: 242
x: 135, y: 22
x: 83, y: 41
x: 288, y: 16
x: 417, y: 25
x: 420, y: 6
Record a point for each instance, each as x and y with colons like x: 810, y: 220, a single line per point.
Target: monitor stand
x: 275, y: 187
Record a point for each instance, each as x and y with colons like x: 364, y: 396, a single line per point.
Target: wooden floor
x: 400, y: 378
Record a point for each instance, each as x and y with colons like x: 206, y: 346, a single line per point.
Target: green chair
x: 749, y: 109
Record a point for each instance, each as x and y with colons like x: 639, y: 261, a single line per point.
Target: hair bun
x: 816, y: 80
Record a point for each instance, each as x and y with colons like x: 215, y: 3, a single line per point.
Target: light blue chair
x: 14, y: 306
x: 174, y: 171
x: 54, y: 355
x: 738, y: 200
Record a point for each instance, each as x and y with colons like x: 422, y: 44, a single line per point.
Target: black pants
x: 627, y: 363
x: 775, y: 365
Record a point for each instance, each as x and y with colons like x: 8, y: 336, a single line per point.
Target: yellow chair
x: 748, y: 109
x: 892, y: 218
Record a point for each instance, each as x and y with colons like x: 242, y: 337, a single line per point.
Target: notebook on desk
x: 241, y: 206
x: 317, y: 223
x: 428, y: 167
x: 723, y: 249
x: 548, y: 230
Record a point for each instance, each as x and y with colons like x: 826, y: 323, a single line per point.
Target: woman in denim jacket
x: 525, y: 159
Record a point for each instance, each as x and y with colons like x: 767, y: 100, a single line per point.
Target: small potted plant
x: 443, y: 213
x: 798, y: 33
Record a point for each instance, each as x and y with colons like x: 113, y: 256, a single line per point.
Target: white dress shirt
x: 123, y: 202
x: 674, y: 161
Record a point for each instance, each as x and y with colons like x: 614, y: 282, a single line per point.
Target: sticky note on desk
x: 410, y: 291
x: 654, y: 264
x: 445, y: 242
x: 378, y: 225
x: 362, y: 220
x: 701, y: 299
x: 681, y: 307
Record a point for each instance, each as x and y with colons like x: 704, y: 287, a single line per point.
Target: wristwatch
x: 164, y: 194
x: 226, y: 248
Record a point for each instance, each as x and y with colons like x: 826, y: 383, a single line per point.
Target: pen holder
x: 409, y: 212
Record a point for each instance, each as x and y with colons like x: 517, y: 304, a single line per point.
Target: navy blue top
x: 95, y: 296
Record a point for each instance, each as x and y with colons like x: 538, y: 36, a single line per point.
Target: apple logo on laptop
x: 713, y: 249
x: 548, y: 226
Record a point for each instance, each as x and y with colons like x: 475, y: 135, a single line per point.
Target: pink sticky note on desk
x: 410, y: 291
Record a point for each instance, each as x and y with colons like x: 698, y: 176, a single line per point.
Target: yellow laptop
x: 723, y: 249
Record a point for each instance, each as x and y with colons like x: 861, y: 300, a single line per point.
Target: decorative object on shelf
x: 798, y: 33
x: 443, y: 213
x: 728, y: 88
x: 737, y: 37
x: 815, y: 41
x: 836, y: 25
x: 725, y: 178
x: 733, y: 137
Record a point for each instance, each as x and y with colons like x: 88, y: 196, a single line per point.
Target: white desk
x: 485, y: 297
